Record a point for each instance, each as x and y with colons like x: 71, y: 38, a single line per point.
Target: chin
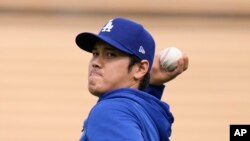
x: 96, y: 92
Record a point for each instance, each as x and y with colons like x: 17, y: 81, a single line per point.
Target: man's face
x: 108, y: 70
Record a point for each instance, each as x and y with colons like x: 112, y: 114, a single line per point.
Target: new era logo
x: 141, y: 50
x: 108, y: 26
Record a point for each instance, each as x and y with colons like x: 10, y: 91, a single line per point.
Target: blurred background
x: 43, y: 74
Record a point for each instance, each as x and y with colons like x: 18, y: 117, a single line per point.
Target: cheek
x: 116, y: 73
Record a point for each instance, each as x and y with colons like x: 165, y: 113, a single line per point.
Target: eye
x: 95, y: 53
x: 110, y: 54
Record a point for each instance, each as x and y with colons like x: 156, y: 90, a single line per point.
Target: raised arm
x: 159, y: 76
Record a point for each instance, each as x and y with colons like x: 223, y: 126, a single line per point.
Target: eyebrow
x: 111, y: 48
x: 107, y: 48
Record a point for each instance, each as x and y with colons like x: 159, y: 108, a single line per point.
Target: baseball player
x: 128, y: 85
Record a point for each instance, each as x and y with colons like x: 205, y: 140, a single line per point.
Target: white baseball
x: 169, y: 58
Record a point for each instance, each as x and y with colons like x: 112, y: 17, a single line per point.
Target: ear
x: 141, y: 69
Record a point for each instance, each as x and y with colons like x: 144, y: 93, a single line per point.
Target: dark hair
x: 145, y: 81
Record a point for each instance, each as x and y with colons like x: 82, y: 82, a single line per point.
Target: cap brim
x: 86, y: 41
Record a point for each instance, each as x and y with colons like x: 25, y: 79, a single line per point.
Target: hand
x: 159, y: 75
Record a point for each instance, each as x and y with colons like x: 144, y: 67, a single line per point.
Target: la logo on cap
x: 108, y: 26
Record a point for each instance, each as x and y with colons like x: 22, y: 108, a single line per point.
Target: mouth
x: 95, y: 73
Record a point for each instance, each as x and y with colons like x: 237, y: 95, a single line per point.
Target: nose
x: 96, y: 62
x: 95, y: 65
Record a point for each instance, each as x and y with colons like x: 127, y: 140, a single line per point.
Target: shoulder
x: 112, y: 120
x: 110, y: 107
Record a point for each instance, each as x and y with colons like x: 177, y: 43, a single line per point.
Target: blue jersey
x: 129, y: 115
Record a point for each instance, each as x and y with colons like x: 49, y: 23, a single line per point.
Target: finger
x: 186, y: 62
x: 180, y: 67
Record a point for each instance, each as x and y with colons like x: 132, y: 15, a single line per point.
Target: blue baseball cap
x: 124, y: 35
